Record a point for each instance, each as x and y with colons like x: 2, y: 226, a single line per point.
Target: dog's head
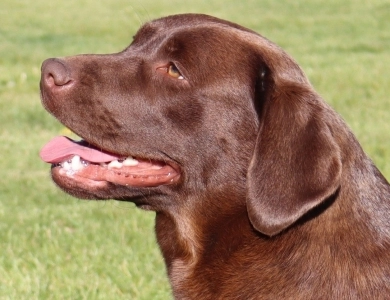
x: 195, y: 105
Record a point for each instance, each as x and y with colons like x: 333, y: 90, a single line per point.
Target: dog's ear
x: 296, y: 162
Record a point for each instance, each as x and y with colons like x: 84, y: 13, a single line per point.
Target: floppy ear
x: 296, y: 163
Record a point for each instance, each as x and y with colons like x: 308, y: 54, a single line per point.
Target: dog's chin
x: 96, y: 182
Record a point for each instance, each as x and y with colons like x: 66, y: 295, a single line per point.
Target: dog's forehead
x: 189, y: 24
x: 198, y: 32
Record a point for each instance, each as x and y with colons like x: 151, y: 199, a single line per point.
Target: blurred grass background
x: 53, y: 246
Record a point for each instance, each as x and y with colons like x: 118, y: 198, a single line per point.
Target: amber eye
x: 174, y: 72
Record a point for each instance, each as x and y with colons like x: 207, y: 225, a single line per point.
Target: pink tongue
x: 61, y: 148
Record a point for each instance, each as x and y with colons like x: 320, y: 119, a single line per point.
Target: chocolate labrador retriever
x: 260, y: 189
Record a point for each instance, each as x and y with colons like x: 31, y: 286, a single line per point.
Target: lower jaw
x: 92, y: 184
x: 97, y: 175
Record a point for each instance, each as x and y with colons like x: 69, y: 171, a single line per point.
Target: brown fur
x: 276, y: 198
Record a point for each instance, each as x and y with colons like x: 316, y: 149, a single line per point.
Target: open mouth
x: 82, y: 161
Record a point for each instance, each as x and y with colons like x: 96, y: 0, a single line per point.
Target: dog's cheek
x: 185, y: 115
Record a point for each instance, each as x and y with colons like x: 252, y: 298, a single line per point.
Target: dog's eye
x: 174, y: 72
x: 171, y: 70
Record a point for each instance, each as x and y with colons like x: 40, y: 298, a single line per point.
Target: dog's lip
x: 94, y: 175
x: 85, y: 162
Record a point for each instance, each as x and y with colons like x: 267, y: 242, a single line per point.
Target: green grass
x: 53, y: 246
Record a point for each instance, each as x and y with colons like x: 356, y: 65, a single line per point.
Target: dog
x: 259, y: 187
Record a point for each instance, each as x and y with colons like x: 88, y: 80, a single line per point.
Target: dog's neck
x: 186, y: 244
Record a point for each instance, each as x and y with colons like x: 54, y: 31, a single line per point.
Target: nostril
x: 55, y: 72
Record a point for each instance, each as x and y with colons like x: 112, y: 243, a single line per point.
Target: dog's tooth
x: 76, y: 163
x: 130, y: 162
x: 156, y: 167
x: 66, y: 165
x: 115, y: 164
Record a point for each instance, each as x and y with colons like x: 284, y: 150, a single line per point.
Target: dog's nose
x: 55, y: 72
